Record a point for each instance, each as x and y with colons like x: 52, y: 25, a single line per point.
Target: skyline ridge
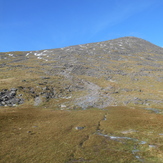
x: 134, y: 37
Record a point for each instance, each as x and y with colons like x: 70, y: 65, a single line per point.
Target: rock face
x: 123, y: 71
x: 9, y: 98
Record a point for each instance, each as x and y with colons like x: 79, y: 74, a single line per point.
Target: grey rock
x: 3, y: 103
x: 37, y: 101
x: 13, y: 89
x: 8, y: 97
x: 45, y: 77
x: 12, y: 93
x: 79, y: 128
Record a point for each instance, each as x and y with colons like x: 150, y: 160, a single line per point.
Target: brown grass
x: 39, y: 135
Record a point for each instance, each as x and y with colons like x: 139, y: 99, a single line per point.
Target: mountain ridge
x: 116, y: 39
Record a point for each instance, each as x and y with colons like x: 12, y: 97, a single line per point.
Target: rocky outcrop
x: 10, y: 98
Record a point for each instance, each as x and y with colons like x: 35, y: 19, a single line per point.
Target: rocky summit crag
x: 126, y: 71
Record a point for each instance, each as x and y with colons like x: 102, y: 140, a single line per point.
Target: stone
x: 63, y: 106
x: 45, y: 77
x: 152, y: 146
x: 37, y: 101
x: 128, y: 131
x: 143, y: 142
x: 12, y: 93
x: 3, y: 103
x: 13, y: 89
x: 79, y: 128
x: 34, y: 126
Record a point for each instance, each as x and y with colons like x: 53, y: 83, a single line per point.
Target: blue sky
x: 46, y: 24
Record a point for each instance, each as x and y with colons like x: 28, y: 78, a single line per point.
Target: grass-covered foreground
x: 114, y: 134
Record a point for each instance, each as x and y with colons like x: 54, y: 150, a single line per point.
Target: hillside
x: 99, y: 103
x: 121, y: 72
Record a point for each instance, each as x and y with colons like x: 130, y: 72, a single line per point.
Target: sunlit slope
x: 124, y: 72
x: 99, y: 102
x: 116, y: 134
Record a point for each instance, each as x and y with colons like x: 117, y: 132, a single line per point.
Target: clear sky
x: 47, y: 24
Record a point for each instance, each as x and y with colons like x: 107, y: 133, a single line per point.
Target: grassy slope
x: 31, y: 70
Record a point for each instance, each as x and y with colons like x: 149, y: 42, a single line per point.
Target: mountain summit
x: 124, y: 72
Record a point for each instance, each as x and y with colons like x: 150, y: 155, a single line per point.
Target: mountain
x: 98, y: 102
x: 122, y: 72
